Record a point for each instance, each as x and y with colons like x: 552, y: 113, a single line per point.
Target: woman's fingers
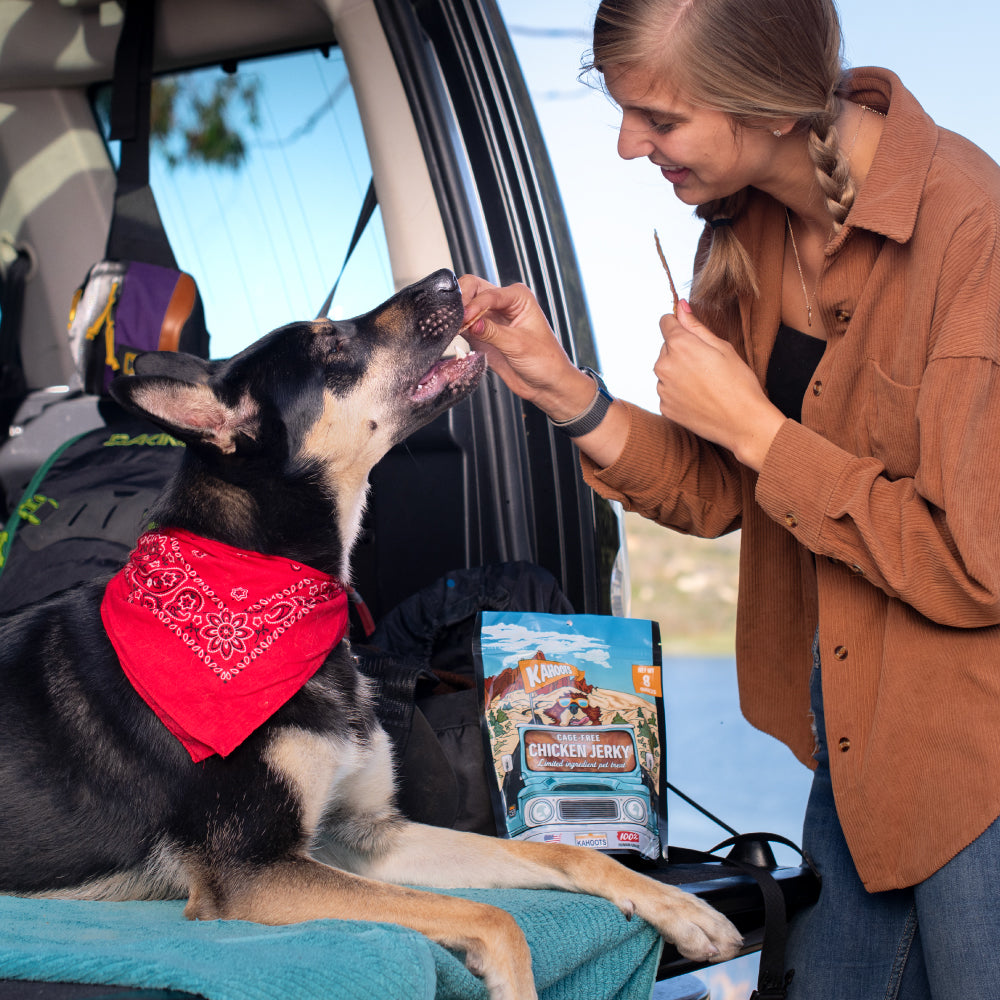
x: 508, y: 324
x: 705, y: 386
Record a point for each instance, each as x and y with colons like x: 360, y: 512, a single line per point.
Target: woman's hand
x: 521, y: 348
x: 706, y: 387
x: 508, y: 325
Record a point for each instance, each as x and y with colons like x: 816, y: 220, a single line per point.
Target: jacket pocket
x: 893, y: 429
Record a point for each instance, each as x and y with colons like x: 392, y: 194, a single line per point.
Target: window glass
x: 259, y: 176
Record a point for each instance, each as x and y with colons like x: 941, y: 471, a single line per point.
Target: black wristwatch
x: 585, y: 422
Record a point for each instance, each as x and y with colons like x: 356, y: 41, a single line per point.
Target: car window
x: 259, y: 175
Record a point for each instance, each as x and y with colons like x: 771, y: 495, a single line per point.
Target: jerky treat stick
x: 465, y: 326
x: 663, y: 261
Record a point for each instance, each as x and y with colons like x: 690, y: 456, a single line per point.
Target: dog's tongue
x: 447, y: 372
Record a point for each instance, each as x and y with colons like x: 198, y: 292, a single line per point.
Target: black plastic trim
x: 485, y: 153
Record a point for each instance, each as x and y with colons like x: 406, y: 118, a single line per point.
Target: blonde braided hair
x: 832, y: 168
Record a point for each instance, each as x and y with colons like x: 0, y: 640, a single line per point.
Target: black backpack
x: 80, y: 515
x: 421, y: 659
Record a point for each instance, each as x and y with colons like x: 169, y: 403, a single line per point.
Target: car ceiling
x: 58, y: 43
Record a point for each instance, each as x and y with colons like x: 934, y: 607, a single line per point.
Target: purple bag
x: 124, y: 308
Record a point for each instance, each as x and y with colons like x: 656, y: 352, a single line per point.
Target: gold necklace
x: 864, y: 110
x: 802, y: 277
x: 791, y: 232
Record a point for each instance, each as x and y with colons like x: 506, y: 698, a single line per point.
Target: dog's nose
x: 442, y: 281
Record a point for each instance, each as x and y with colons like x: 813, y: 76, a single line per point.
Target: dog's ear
x: 172, y: 364
x: 190, y: 410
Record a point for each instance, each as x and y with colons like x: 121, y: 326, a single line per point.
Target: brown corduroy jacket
x: 877, y: 516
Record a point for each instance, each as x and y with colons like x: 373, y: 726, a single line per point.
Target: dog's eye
x: 340, y: 336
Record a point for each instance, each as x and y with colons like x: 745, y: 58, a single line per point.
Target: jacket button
x: 791, y: 520
x: 840, y: 653
x: 842, y: 316
x: 817, y: 388
x: 844, y: 744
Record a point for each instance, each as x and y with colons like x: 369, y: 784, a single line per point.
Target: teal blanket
x: 582, y: 949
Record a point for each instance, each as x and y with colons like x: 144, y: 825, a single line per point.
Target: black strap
x: 367, y: 208
x: 691, y: 802
x: 136, y: 231
x: 393, y: 681
x: 751, y: 855
x: 772, y: 978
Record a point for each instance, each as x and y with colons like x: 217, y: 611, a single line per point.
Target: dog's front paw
x: 697, y: 930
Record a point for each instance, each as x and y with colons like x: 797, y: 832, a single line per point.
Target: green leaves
x: 192, y: 122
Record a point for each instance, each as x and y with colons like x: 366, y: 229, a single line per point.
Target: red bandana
x: 216, y: 639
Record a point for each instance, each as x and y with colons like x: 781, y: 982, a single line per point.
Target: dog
x: 573, y: 707
x: 116, y: 785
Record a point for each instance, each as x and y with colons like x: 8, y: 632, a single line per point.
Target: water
x: 746, y: 778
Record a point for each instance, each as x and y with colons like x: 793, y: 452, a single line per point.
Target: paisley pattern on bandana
x: 226, y: 632
x: 216, y: 639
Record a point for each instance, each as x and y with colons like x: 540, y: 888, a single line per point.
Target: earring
x: 777, y: 133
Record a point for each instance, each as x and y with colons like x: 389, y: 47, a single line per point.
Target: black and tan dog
x: 121, y: 778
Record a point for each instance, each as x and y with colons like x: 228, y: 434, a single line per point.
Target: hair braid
x: 727, y: 271
x: 833, y: 171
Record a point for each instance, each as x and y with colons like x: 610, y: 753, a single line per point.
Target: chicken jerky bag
x: 572, y: 714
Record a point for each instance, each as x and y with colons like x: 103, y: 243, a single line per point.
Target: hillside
x: 686, y: 584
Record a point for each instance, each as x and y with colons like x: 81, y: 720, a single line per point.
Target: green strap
x: 7, y: 536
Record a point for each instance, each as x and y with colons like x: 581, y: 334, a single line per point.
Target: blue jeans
x: 938, y: 940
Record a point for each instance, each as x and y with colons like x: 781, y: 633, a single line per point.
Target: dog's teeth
x: 459, y: 347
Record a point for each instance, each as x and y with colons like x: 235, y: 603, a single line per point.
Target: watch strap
x: 591, y: 417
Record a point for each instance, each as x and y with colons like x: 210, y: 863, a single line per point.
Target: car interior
x: 310, y: 98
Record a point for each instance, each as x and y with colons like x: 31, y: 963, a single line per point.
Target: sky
x: 945, y: 54
x: 265, y: 242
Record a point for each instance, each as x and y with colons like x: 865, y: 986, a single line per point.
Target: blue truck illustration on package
x: 573, y: 725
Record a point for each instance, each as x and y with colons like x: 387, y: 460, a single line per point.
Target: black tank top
x: 793, y: 362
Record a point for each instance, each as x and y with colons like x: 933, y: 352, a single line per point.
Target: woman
x: 833, y: 390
